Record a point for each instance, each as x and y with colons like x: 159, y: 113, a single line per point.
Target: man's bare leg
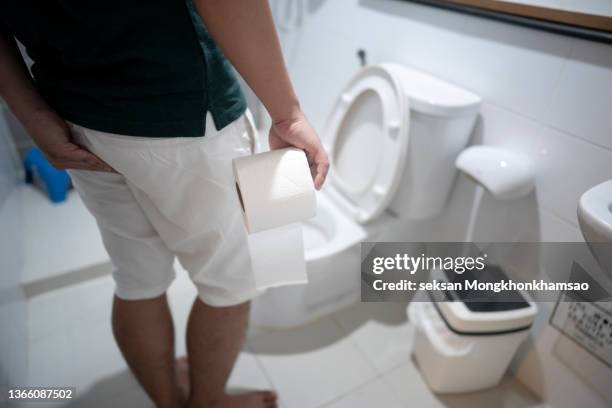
x: 145, y: 334
x: 214, y: 338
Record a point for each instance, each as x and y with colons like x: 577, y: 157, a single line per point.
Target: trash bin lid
x: 476, y: 312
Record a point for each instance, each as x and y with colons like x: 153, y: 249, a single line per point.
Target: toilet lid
x: 367, y: 138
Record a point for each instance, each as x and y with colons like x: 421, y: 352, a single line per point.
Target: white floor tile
x: 59, y: 309
x: 508, y: 394
x: 59, y: 238
x: 410, y: 387
x: 118, y: 390
x: 83, y: 355
x: 311, y: 365
x: 49, y: 362
x: 134, y: 398
x: 256, y: 331
x: 95, y: 352
x: 247, y: 375
x: 381, y: 332
x: 375, y: 394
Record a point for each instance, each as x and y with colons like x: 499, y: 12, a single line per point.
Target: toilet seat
x: 367, y: 137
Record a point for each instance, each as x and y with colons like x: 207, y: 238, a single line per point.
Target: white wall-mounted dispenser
x: 502, y: 172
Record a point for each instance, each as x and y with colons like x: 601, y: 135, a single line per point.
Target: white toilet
x: 392, y: 136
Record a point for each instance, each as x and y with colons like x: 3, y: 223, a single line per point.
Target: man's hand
x: 52, y: 135
x: 298, y: 132
x: 245, y: 32
x: 49, y: 131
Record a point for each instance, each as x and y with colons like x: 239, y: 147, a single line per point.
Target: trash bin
x: 463, y: 346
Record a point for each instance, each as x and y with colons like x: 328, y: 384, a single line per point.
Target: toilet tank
x: 442, y: 118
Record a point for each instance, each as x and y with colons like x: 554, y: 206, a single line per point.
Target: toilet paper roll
x: 276, y: 193
x: 275, y: 188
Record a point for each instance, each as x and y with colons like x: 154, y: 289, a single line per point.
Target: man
x: 138, y: 101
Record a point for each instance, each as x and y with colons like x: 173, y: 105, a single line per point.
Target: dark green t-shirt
x: 133, y: 67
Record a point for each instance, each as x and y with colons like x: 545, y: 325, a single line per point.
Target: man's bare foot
x: 182, y: 378
x: 255, y: 399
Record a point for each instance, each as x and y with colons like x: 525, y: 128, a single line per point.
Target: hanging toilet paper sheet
x: 276, y: 193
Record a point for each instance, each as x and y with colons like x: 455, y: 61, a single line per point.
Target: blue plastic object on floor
x: 40, y: 172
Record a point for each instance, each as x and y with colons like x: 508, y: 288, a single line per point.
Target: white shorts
x: 173, y: 197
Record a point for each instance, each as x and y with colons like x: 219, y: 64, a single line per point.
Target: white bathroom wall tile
x: 501, y: 127
x: 552, y: 365
x: 566, y: 168
x: 556, y: 229
x: 17, y: 343
x: 13, y: 342
x: 374, y: 394
x: 322, y: 67
x: 5, y: 343
x: 512, y: 66
x: 381, y: 332
x: 415, y: 35
x: 598, y: 7
x: 334, y: 15
x: 583, y: 101
x: 557, y: 260
x: 11, y: 219
x: 506, y: 220
x: 311, y: 365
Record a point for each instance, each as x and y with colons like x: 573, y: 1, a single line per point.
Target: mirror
x: 589, y: 19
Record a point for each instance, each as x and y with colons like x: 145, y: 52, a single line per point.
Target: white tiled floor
x: 357, y: 357
x: 312, y: 365
x: 52, y: 231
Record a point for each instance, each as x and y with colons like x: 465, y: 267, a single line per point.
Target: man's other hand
x: 53, y: 136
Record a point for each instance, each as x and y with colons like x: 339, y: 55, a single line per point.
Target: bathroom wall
x: 546, y: 95
x: 13, y: 335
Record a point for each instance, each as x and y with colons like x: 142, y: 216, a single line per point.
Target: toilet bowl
x: 392, y: 137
